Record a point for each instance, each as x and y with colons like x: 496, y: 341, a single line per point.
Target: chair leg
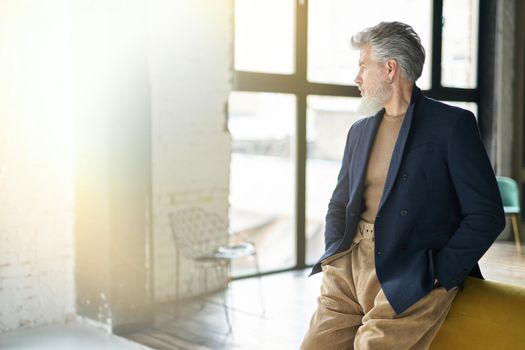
x: 177, y: 280
x: 223, y: 297
x: 204, y: 285
x: 205, y: 281
x: 514, y: 219
x: 229, y: 291
x: 259, y: 278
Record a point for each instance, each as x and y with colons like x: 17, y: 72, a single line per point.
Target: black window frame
x: 298, y: 85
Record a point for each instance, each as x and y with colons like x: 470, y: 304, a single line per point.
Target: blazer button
x: 404, y: 177
x: 404, y: 212
x: 379, y: 252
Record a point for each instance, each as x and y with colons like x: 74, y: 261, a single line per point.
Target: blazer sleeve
x: 479, y: 199
x: 336, y: 214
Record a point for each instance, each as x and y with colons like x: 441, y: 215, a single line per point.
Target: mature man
x: 415, y: 207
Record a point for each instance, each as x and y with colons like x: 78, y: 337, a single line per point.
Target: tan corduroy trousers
x: 353, y: 312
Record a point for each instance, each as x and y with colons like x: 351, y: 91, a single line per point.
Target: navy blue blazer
x: 440, y: 210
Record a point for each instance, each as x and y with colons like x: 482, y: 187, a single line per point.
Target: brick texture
x: 190, y: 82
x: 36, y: 191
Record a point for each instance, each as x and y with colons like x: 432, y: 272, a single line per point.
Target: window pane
x: 331, y: 24
x: 459, y: 62
x: 328, y: 122
x: 264, y: 36
x: 262, y: 177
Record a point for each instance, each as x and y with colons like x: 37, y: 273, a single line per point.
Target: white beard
x: 374, y: 101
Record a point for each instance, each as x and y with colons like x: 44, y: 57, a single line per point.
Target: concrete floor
x: 74, y: 336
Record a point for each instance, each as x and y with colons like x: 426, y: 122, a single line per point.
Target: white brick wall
x: 36, y: 177
x: 190, y: 58
x: 190, y: 62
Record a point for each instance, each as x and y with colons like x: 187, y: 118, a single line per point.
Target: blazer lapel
x: 399, y: 147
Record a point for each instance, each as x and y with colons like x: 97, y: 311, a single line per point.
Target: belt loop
x: 366, y: 229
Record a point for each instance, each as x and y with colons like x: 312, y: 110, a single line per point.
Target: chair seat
x: 511, y: 210
x: 235, y: 251
x: 206, y: 258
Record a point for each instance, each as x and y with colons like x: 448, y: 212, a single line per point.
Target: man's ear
x: 391, y: 66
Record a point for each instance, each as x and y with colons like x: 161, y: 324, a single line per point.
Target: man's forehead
x: 365, y: 54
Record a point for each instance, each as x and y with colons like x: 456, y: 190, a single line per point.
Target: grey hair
x: 394, y: 40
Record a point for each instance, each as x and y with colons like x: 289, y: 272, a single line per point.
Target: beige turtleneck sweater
x: 378, y: 164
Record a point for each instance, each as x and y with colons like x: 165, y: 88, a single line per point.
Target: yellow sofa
x: 486, y: 315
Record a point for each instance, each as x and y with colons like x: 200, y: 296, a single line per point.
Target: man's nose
x: 357, y: 79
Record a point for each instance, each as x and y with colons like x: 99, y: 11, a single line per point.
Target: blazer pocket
x: 435, y: 233
x: 430, y: 240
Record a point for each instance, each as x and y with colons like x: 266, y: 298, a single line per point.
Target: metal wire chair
x: 203, y: 238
